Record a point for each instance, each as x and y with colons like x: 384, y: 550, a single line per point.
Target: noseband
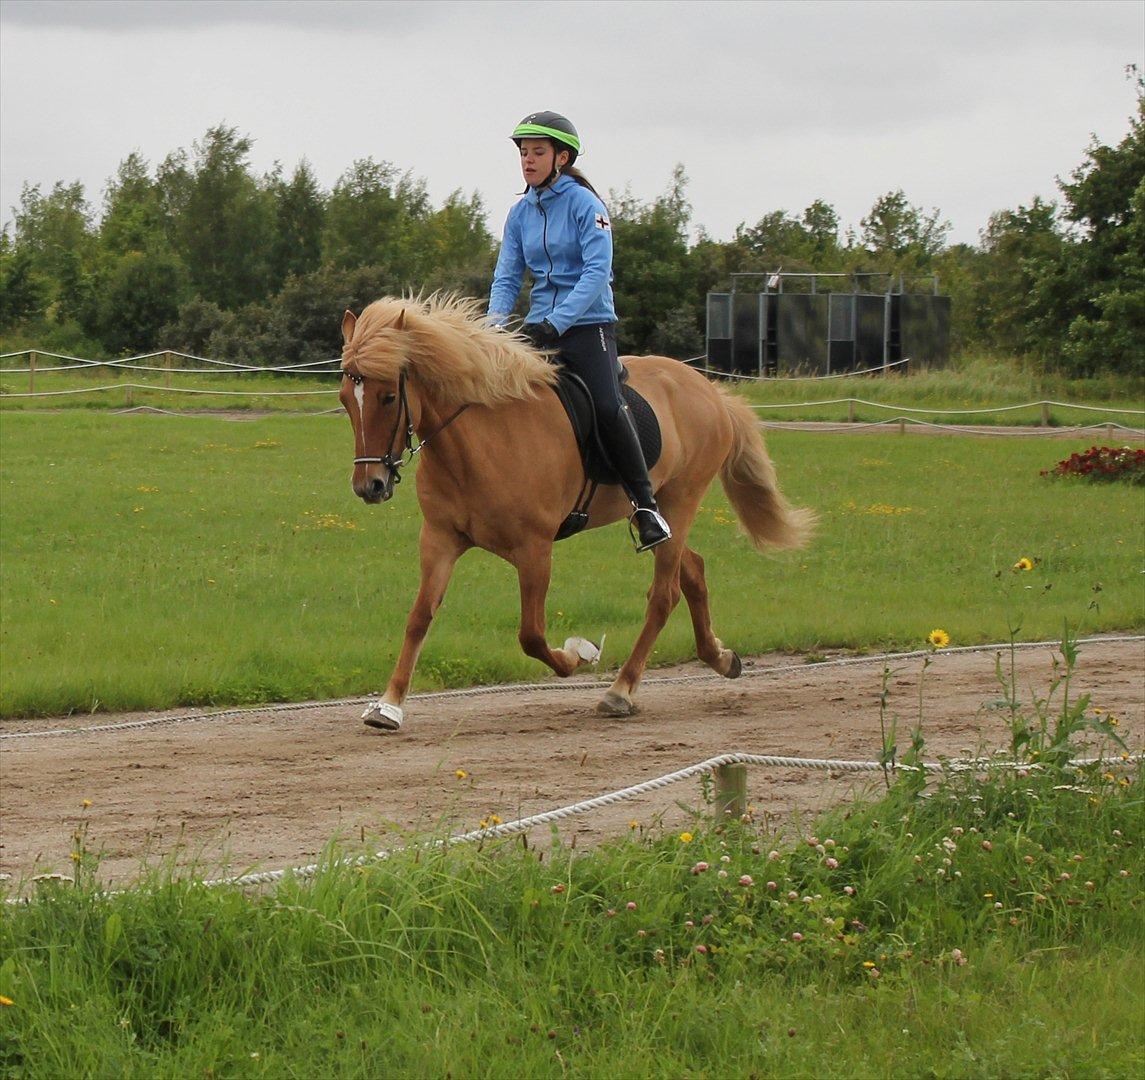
x: 403, y: 415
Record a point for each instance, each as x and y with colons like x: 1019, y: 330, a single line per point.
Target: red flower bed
x: 1103, y: 463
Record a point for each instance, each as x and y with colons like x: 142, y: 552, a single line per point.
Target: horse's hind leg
x: 662, y: 599
x: 709, y: 648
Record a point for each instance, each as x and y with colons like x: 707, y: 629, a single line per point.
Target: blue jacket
x: 563, y: 235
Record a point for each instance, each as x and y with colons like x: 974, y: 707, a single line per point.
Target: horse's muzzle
x: 375, y: 489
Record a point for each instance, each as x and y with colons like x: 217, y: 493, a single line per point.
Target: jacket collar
x: 559, y: 185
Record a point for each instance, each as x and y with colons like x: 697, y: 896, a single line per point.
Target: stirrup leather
x: 653, y: 532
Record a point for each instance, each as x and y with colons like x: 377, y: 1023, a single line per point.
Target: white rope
x: 171, y: 390
x: 554, y: 686
x: 951, y: 412
x: 878, y: 368
x: 79, y: 363
x: 846, y: 427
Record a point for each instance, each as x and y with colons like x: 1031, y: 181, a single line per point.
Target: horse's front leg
x: 534, y: 569
x: 439, y: 551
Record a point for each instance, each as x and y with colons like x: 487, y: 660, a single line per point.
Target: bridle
x: 404, y: 416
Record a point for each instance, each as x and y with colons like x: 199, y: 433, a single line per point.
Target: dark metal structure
x: 825, y: 324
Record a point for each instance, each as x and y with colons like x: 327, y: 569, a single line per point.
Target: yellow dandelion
x: 868, y: 964
x: 686, y: 838
x: 1024, y: 564
x: 6, y: 1001
x: 494, y: 819
x: 938, y: 639
x: 86, y: 803
x: 634, y: 824
x: 461, y: 774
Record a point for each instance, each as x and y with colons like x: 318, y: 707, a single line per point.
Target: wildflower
x: 773, y: 855
x: 868, y: 963
x: 1063, y: 876
x: 699, y: 868
x: 746, y: 881
x: 86, y: 803
x: 495, y: 819
x: 1122, y: 873
x: 1090, y: 886
x: 832, y: 864
x: 1024, y: 564
x: 634, y: 824
x: 461, y: 774
x: 610, y: 913
x: 702, y: 950
x: 722, y: 874
x: 938, y: 639
x: 641, y: 933
x: 797, y: 936
x: 558, y: 888
x: 659, y: 956
x: 772, y: 886
x: 631, y: 905
x: 828, y: 842
x: 6, y: 1001
x: 686, y: 838
x: 957, y: 956
x: 849, y: 890
x: 987, y: 846
x: 793, y: 895
x: 689, y: 924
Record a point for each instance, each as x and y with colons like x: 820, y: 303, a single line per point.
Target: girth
x: 577, y: 402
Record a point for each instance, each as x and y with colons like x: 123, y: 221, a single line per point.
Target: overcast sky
x: 969, y: 107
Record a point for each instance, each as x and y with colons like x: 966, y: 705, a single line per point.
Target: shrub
x: 1103, y: 463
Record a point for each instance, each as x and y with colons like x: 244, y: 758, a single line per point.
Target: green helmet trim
x: 539, y: 131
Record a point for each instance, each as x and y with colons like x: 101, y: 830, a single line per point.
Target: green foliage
x: 887, y: 936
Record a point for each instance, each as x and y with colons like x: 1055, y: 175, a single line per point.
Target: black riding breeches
x: 590, y: 353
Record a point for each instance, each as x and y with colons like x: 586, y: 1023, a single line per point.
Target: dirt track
x: 269, y: 789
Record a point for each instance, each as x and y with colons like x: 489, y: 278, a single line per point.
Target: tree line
x: 202, y: 255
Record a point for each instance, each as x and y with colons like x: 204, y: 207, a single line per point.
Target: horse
x: 500, y: 470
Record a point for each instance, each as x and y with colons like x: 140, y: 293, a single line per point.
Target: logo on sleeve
x: 603, y: 223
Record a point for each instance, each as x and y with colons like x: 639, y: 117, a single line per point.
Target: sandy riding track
x: 269, y: 789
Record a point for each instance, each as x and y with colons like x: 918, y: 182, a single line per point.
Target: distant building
x: 825, y: 324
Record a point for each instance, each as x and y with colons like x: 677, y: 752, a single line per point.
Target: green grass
x: 156, y: 561
x: 499, y: 961
x: 972, y: 383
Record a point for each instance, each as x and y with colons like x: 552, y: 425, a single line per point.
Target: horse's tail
x: 749, y: 479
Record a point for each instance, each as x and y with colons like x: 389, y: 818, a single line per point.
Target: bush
x: 1103, y: 463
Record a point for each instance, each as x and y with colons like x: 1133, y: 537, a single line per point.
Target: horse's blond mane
x: 445, y: 344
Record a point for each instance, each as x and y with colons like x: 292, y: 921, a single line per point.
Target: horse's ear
x: 401, y: 323
x: 349, y: 321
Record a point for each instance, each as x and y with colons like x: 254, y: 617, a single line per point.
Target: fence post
x: 32, y: 372
x: 1045, y: 414
x: 850, y: 410
x: 167, y: 374
x: 902, y: 427
x: 731, y: 792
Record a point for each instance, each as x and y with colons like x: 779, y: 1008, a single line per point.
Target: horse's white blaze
x: 360, y: 398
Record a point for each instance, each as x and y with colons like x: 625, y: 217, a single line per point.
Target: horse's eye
x: 389, y: 399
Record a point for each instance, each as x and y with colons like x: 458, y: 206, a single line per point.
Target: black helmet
x: 549, y: 125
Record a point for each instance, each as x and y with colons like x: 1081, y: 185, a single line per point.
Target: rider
x: 560, y: 230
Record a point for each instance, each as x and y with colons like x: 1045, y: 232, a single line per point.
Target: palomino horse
x: 501, y: 470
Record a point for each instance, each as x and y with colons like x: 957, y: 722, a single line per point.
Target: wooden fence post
x: 1045, y: 414
x: 850, y: 410
x: 32, y: 372
x: 731, y: 792
x: 167, y: 374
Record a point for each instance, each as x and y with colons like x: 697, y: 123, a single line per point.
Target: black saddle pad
x: 578, y: 405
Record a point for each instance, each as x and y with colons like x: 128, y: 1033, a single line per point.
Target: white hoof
x: 583, y: 649
x: 383, y: 715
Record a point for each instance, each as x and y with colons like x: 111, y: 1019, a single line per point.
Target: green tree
x: 57, y: 233
x: 902, y: 235
x: 653, y: 280
x: 299, y: 219
x: 22, y: 291
x: 223, y: 220
x: 133, y: 215
x: 134, y: 299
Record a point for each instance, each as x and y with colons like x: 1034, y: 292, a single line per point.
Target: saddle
x: 598, y: 469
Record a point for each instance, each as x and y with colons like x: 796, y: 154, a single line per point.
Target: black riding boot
x: 623, y: 446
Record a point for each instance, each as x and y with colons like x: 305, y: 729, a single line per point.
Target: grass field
x: 992, y: 929
x: 153, y: 561
x: 972, y: 383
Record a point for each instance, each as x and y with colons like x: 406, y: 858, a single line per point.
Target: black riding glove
x: 543, y: 334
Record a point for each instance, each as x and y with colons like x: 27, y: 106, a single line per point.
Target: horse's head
x: 379, y: 413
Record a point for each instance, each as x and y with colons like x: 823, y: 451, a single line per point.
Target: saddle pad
x: 574, y: 396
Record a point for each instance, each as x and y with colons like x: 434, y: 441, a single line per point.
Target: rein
x: 404, y: 415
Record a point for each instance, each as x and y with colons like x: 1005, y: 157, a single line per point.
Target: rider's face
x: 537, y: 160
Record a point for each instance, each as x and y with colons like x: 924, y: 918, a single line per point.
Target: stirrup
x: 654, y: 532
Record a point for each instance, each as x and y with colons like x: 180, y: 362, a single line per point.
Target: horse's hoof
x: 736, y: 667
x: 614, y: 705
x: 583, y: 649
x: 383, y: 716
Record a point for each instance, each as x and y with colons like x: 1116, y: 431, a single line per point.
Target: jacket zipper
x: 545, y: 245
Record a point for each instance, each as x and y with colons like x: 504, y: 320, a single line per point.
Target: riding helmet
x: 549, y: 125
